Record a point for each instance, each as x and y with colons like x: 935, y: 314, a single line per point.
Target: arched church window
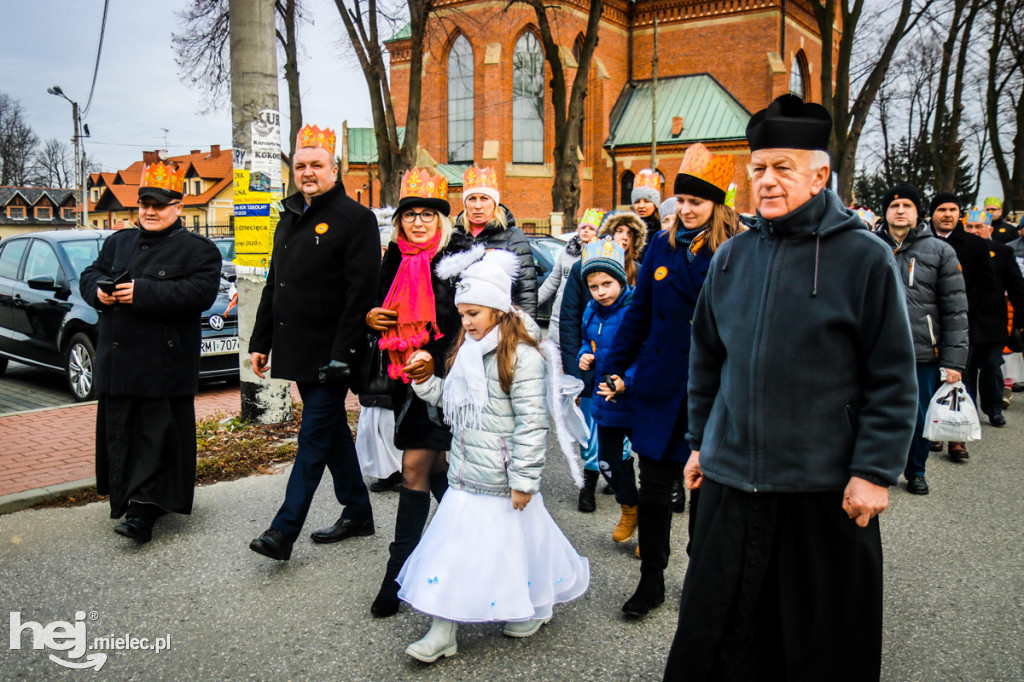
x: 528, y: 101
x: 460, y: 102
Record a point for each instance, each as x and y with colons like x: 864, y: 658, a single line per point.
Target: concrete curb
x: 18, y: 501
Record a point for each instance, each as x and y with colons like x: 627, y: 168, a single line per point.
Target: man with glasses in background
x: 151, y: 286
x: 322, y: 281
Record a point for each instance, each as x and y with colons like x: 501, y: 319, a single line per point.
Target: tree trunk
x: 291, y: 76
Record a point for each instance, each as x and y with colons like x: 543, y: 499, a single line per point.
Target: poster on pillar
x: 258, y: 192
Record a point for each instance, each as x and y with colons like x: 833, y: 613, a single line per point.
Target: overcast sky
x: 138, y: 92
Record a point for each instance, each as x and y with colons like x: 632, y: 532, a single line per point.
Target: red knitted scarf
x: 412, y: 296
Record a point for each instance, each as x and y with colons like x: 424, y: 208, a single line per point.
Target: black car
x: 546, y: 251
x: 44, y: 322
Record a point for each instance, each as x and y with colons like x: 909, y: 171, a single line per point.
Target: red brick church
x: 486, y: 97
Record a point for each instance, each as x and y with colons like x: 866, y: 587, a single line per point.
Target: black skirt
x: 146, y: 452
x: 779, y: 587
x: 418, y: 425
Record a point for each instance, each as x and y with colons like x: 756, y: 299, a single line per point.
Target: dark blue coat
x: 655, y: 335
x: 599, y: 326
x: 575, y: 298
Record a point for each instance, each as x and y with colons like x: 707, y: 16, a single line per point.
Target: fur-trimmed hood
x: 636, y: 227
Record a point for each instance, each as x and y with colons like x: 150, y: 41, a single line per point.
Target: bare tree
x: 567, y: 104
x: 55, y: 164
x: 17, y: 143
x: 362, y: 23
x: 203, y: 60
x: 1004, y: 98
x: 850, y: 111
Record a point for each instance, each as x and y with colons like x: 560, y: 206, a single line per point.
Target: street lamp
x: 79, y: 158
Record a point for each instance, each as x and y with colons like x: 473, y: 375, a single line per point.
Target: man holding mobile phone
x: 151, y: 286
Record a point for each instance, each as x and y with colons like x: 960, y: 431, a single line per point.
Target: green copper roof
x: 402, y: 34
x: 708, y: 110
x: 453, y: 171
x: 362, y: 144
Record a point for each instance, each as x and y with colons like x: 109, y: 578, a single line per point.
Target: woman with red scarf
x: 416, y: 311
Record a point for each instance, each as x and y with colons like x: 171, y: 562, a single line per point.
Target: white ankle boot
x: 439, y: 641
x: 524, y: 628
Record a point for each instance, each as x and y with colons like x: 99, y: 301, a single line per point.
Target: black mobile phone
x: 108, y: 285
x: 607, y: 379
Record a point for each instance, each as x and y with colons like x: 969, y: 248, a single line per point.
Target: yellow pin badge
x: 321, y: 228
x: 661, y: 273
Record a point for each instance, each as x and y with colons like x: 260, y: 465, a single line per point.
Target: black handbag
x: 372, y: 383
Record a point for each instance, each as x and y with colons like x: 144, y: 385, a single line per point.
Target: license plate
x: 222, y: 346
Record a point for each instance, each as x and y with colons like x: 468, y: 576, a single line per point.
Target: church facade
x: 486, y: 94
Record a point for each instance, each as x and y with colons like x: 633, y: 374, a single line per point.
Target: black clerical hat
x: 790, y: 123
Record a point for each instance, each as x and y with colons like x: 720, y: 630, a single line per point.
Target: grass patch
x: 227, y: 449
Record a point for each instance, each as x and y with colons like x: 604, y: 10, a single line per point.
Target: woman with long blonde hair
x: 655, y: 335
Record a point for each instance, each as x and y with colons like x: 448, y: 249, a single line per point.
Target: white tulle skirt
x: 375, y: 442
x: 481, y: 560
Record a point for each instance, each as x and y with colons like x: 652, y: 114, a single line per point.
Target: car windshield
x: 227, y: 248
x: 553, y: 247
x: 81, y: 254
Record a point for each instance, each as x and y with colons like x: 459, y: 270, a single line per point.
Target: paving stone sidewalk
x: 50, y: 451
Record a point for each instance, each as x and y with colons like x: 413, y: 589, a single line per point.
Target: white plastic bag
x: 951, y: 415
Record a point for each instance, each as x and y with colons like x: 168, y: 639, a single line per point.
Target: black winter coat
x: 1004, y: 232
x: 414, y: 427
x: 802, y: 370
x: 524, y: 289
x: 575, y: 298
x: 1009, y: 283
x: 322, y: 282
x: 150, y: 348
x: 653, y: 225
x: 979, y: 279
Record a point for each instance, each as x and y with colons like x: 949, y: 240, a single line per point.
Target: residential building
x: 34, y: 209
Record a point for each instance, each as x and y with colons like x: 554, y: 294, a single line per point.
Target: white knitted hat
x: 488, y: 282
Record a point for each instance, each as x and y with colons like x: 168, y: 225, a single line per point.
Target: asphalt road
x: 954, y: 574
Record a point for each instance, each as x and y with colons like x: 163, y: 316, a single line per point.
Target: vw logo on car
x: 216, y: 322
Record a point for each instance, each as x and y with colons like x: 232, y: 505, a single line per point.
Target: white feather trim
x: 506, y: 260
x: 554, y: 399
x: 452, y: 266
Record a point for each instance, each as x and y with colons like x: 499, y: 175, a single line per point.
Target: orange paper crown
x: 701, y: 163
x: 418, y: 182
x: 163, y: 177
x: 648, y: 178
x: 479, y: 178
x: 312, y: 136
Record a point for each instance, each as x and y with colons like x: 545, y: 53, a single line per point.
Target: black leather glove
x: 334, y: 372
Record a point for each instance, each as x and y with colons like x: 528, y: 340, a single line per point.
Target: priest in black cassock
x: 151, y: 285
x: 802, y: 401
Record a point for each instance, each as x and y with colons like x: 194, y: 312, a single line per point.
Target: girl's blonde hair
x: 513, y: 332
x: 444, y: 223
x: 723, y: 224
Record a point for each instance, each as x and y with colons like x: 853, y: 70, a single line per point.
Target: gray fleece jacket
x: 802, y: 369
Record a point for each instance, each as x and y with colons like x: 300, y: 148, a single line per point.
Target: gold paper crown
x: 418, y: 182
x: 312, y: 136
x: 163, y: 177
x: 479, y: 178
x: 648, y: 178
x: 711, y: 168
x: 592, y: 216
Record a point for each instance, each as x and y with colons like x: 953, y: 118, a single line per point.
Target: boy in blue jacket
x: 604, y: 273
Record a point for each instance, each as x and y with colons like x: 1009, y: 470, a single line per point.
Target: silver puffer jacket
x: 507, y: 451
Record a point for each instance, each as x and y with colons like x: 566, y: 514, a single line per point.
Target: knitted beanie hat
x: 943, y: 198
x: 488, y: 282
x: 903, y: 191
x: 604, y: 255
x: 667, y: 208
x: 646, y: 185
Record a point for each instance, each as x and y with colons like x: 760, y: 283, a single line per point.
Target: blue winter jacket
x: 599, y: 325
x: 655, y: 334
